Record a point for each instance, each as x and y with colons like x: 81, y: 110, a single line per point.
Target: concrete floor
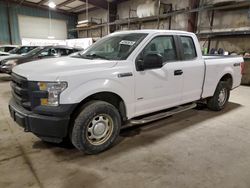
x: 194, y: 149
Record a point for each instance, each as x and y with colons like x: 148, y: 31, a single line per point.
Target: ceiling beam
x: 77, y: 8
x: 42, y: 2
x: 35, y: 5
x: 65, y: 3
x: 98, y: 3
x: 21, y: 1
x: 90, y: 9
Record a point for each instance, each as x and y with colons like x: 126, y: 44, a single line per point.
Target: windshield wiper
x: 96, y: 56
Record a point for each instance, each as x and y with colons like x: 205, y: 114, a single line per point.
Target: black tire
x: 214, y: 102
x: 102, y: 114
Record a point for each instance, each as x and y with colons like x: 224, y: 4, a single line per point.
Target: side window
x: 49, y: 52
x: 24, y: 50
x: 63, y: 52
x: 7, y: 49
x: 44, y: 53
x: 53, y: 52
x: 163, y: 45
x: 189, y: 51
x: 69, y: 52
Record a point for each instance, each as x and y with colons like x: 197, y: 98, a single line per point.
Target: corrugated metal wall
x: 15, y: 10
x: 4, y: 28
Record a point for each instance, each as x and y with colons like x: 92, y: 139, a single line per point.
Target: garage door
x: 39, y: 28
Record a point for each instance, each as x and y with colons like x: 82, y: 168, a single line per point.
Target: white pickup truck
x: 129, y: 77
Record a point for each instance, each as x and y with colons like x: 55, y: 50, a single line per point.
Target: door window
x: 189, y: 51
x: 7, y: 49
x: 162, y: 45
x: 49, y: 52
x: 65, y: 52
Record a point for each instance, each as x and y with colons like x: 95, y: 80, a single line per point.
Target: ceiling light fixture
x: 52, y: 4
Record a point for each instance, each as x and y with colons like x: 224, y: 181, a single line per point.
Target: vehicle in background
x: 4, y: 49
x: 18, y: 51
x: 7, y: 48
x: 22, y: 50
x: 126, y: 78
x: 4, y: 54
x: 38, y: 53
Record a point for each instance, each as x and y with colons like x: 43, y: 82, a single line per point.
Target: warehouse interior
x: 194, y: 148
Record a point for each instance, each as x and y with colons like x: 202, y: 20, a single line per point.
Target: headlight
x: 54, y: 90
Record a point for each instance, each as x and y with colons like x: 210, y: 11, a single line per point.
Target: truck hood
x: 52, y: 69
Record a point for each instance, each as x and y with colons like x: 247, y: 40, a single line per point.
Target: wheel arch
x: 106, y: 96
x: 227, y: 78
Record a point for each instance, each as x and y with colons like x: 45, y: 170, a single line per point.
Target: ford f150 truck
x: 128, y: 77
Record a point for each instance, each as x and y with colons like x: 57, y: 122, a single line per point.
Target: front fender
x: 78, y: 94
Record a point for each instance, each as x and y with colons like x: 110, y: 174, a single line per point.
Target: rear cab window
x: 188, y: 48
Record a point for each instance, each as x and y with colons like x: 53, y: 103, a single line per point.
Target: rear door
x: 193, y: 69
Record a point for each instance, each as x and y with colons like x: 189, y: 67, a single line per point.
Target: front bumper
x: 51, y: 128
x: 5, y: 70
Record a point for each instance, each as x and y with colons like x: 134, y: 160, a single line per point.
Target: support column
x: 9, y: 22
x: 112, y: 14
x: 192, y: 18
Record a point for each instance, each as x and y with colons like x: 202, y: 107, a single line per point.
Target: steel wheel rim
x: 222, y: 97
x: 99, y: 129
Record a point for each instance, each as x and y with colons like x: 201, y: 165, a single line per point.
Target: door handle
x: 178, y: 72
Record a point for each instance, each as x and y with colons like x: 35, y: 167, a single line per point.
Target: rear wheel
x: 220, y: 98
x: 96, y: 127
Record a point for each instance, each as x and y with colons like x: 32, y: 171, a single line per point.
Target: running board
x: 162, y: 115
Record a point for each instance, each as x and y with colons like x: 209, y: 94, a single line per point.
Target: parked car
x: 18, y: 51
x: 5, y: 49
x: 129, y: 77
x: 35, y: 54
x: 21, y: 50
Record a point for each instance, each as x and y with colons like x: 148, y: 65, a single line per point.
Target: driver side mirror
x: 150, y: 61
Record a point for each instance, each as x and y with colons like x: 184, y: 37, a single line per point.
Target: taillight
x: 242, y: 67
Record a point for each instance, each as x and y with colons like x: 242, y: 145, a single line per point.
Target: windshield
x: 34, y: 51
x: 22, y: 50
x: 13, y: 51
x: 115, y: 47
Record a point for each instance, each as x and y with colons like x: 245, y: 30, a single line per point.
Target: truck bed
x: 217, y: 66
x: 219, y: 56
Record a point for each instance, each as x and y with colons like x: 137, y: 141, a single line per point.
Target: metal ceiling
x: 68, y: 6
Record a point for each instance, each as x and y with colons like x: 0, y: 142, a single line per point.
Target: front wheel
x: 96, y: 127
x: 220, y: 98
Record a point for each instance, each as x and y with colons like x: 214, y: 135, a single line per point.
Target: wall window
x: 189, y: 51
x: 163, y: 45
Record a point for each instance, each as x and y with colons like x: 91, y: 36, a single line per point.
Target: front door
x: 159, y: 88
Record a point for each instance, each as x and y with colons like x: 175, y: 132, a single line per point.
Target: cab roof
x: 153, y: 31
